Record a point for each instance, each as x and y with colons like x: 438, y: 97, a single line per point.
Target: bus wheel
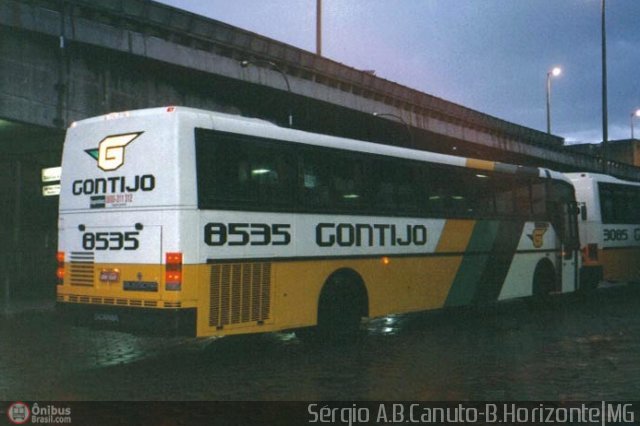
x: 544, y: 279
x: 342, y: 304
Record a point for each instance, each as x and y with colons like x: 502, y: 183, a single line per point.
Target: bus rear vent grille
x: 239, y: 293
x: 81, y: 268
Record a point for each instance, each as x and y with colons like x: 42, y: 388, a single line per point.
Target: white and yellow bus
x: 216, y: 224
x: 609, y: 227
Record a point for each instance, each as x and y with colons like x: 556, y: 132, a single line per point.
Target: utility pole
x: 605, y: 124
x: 319, y: 27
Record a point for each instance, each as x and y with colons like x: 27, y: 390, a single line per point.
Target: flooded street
x: 573, y: 348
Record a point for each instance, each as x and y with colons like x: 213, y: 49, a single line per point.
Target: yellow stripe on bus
x: 480, y: 164
x: 621, y: 264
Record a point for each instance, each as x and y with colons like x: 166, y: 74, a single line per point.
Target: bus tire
x: 544, y: 279
x: 342, y: 303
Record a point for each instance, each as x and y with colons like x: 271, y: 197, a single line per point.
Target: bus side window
x: 447, y: 192
x: 228, y: 174
x: 618, y: 203
x: 393, y: 187
x: 406, y: 191
x: 635, y: 206
x: 606, y: 204
x: 458, y: 196
x: 629, y: 211
x: 504, y: 197
x: 383, y: 185
x: 240, y: 172
x: 315, y: 176
x: 523, y: 198
x: 482, y: 197
x: 538, y: 198
x: 272, y: 175
x: 347, y: 186
x: 434, y: 191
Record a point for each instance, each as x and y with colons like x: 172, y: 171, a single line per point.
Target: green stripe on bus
x: 465, y: 284
x: 484, y: 268
x: 495, y: 273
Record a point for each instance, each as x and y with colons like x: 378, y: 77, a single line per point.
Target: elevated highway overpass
x: 64, y: 60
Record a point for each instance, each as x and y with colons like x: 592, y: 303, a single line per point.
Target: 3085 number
x: 242, y: 234
x: 110, y: 240
x: 616, y: 235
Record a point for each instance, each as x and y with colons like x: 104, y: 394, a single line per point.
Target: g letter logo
x: 110, y: 152
x: 537, y: 236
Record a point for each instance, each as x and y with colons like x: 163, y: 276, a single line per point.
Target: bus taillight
x: 60, y: 270
x: 173, y: 272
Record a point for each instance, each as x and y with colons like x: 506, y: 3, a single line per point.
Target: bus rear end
x: 609, y: 227
x: 122, y: 202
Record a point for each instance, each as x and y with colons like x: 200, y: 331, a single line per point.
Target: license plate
x: 110, y: 275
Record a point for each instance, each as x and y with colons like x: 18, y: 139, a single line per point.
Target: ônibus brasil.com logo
x: 19, y: 413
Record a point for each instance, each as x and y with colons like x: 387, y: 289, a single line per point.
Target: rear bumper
x: 148, y: 321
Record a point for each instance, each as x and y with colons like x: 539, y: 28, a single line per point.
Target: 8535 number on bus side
x: 242, y: 234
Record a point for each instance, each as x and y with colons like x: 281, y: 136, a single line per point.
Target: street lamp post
x: 275, y: 66
x: 605, y: 113
x: 319, y: 27
x: 635, y: 113
x: 556, y: 71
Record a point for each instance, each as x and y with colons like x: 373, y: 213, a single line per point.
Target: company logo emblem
x: 110, y: 151
x: 537, y: 236
x: 19, y: 413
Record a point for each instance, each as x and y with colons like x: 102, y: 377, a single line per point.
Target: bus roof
x: 261, y: 128
x: 599, y: 177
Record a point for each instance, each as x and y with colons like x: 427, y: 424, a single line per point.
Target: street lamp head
x: 556, y: 71
x: 637, y: 112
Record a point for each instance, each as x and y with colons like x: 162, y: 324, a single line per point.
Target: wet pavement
x: 573, y: 348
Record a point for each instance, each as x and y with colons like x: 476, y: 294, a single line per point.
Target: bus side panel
x: 538, y: 241
x: 236, y: 300
x: 246, y: 293
x: 618, y: 251
x: 621, y: 264
x: 286, y: 292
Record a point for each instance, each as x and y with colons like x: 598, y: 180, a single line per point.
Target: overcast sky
x: 489, y: 55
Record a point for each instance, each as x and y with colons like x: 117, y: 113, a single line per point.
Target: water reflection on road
x: 573, y: 348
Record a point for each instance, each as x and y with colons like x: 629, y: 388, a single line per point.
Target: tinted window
x: 619, y: 203
x: 250, y: 173
x: 233, y: 172
x: 394, y: 186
